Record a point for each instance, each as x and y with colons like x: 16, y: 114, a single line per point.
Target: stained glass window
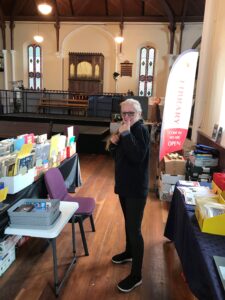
x: 34, y: 67
x: 146, y: 71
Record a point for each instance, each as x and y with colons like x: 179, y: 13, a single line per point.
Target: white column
x: 60, y: 56
x: 203, y: 89
x: 13, y: 64
x: 6, y: 85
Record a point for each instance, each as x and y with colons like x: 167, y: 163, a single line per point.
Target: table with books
x: 195, y: 249
x: 70, y: 169
x: 66, y: 212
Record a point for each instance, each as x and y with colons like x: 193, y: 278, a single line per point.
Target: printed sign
x: 178, y: 102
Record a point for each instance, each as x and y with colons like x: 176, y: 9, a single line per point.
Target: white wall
x: 211, y: 80
x: 98, y: 37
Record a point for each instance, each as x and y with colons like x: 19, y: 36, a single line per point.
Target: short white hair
x: 136, y: 104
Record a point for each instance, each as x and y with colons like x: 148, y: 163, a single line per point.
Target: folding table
x: 67, y: 212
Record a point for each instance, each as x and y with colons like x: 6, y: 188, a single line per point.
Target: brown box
x: 174, y: 166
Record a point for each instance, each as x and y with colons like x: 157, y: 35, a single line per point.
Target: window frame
x: 33, y: 74
x: 145, y: 78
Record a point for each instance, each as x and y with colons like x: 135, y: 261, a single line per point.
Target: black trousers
x: 133, y: 210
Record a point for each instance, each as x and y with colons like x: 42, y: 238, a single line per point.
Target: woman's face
x: 129, y: 113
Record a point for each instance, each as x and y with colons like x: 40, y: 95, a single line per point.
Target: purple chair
x: 57, y: 190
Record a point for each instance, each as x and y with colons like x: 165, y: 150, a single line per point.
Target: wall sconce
x: 45, y: 8
x: 119, y: 39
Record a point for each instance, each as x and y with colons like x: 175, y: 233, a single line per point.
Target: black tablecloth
x: 70, y: 169
x: 195, y: 249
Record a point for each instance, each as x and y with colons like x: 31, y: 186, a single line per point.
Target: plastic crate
x: 34, y: 213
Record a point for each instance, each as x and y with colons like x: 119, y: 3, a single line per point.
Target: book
x: 190, y: 193
x: 26, y: 163
x: 211, y: 209
x: 24, y: 208
x: 189, y: 183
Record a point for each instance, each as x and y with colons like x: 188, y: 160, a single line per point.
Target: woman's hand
x: 125, y: 126
x: 115, y: 139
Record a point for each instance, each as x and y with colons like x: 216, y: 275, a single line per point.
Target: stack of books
x: 192, y: 192
x: 202, y: 163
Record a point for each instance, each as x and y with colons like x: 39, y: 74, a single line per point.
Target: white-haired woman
x: 130, y: 149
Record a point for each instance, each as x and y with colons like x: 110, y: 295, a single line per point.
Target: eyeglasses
x: 128, y: 113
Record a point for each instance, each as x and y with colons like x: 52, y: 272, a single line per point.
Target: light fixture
x: 38, y: 38
x: 119, y: 39
x: 45, y: 8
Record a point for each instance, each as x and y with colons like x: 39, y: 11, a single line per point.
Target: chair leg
x: 80, y: 221
x: 92, y: 223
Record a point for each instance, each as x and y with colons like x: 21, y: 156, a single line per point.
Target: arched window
x: 34, y: 67
x: 146, y: 71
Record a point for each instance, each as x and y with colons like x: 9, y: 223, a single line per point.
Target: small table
x: 67, y: 212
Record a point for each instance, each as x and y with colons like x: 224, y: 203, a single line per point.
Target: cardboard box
x: 8, y: 242
x: 171, y: 179
x: 7, y: 260
x: 219, y: 179
x: 165, y: 191
x: 215, y: 188
x: 212, y: 225
x: 175, y: 166
x: 18, y: 182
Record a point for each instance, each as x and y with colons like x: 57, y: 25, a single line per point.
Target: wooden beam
x: 121, y: 22
x: 79, y: 8
x: 184, y: 10
x: 3, y: 27
x: 71, y: 7
x: 196, y: 43
x: 87, y: 19
x: 172, y: 26
x: 106, y: 8
x: 168, y: 10
x: 56, y: 9
x: 142, y: 7
x: 17, y: 7
x: 12, y: 26
x: 57, y: 23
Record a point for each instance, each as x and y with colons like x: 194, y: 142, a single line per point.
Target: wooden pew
x: 79, y: 104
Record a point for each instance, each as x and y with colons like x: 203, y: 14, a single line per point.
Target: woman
x: 130, y: 149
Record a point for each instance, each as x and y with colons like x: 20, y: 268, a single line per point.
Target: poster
x: 178, y: 103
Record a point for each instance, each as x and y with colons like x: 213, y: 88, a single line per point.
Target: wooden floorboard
x: 95, y: 277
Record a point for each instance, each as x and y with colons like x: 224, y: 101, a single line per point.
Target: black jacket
x: 131, y: 162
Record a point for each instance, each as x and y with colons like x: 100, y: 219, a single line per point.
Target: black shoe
x: 129, y: 283
x: 121, y: 258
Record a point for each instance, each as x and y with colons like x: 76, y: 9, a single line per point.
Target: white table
x: 67, y: 213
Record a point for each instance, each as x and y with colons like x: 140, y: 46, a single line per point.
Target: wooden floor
x: 95, y: 277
